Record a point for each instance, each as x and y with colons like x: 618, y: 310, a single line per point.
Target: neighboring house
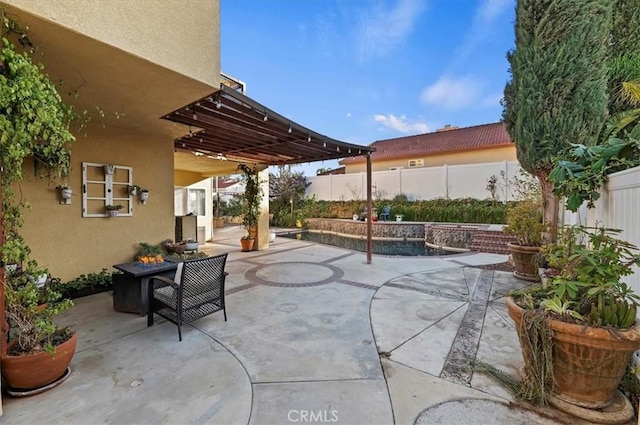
x: 141, y: 60
x: 228, y: 189
x: 339, y: 170
x: 447, y: 146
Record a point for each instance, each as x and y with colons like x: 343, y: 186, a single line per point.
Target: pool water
x: 404, y: 248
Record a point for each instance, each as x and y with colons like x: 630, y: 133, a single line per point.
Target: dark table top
x: 138, y: 269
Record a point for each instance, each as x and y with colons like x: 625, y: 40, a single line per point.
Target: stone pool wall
x: 474, y: 237
x: 380, y: 229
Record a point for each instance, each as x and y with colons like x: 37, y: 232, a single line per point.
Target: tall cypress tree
x: 558, y: 89
x: 624, y: 57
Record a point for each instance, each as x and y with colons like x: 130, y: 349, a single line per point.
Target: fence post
x: 445, y: 170
x: 331, y: 186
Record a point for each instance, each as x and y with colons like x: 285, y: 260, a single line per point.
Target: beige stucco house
x: 446, y: 146
x: 136, y: 61
x: 171, y: 120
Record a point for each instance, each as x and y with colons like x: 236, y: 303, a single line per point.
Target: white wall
x: 453, y: 181
x: 181, y: 206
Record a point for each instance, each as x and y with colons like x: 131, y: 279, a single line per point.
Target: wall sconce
x: 65, y: 193
x: 143, y: 196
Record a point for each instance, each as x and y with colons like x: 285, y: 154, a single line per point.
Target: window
x: 103, y: 185
x: 197, y: 201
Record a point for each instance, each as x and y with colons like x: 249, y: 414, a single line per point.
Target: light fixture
x: 349, y: 150
x: 290, y: 130
x: 195, y: 116
x: 360, y: 151
x: 324, y: 144
x: 266, y: 117
x: 218, y: 103
x: 190, y: 132
x: 337, y: 148
x: 184, y: 146
x: 201, y: 140
x: 309, y: 138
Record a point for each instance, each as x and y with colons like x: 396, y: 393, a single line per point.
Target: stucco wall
x: 68, y: 244
x: 182, y: 35
x: 507, y: 153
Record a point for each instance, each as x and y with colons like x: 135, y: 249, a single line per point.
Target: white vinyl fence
x: 617, y: 208
x: 448, y: 181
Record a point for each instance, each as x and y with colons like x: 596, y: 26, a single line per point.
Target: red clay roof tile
x: 461, y: 139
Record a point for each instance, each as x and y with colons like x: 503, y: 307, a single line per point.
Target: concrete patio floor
x: 314, y: 335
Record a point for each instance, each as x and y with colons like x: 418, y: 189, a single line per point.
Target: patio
x: 306, y: 324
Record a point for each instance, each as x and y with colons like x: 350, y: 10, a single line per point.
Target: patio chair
x: 196, y: 291
x: 386, y: 213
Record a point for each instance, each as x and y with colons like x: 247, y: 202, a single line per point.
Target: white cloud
x: 381, y: 28
x: 401, y: 124
x: 492, y: 100
x: 348, y: 114
x: 490, y: 10
x: 452, y: 93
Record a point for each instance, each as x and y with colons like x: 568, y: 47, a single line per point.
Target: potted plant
x: 578, y: 333
x: 143, y: 195
x: 32, y: 345
x: 250, y: 205
x: 112, y: 210
x: 65, y: 192
x: 133, y: 189
x: 524, y: 223
x: 191, y: 245
x: 38, y: 352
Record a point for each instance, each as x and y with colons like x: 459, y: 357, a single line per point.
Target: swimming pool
x: 382, y: 247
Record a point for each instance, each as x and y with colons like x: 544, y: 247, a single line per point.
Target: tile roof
x: 223, y: 184
x: 461, y: 139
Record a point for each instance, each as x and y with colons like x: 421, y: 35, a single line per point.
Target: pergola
x: 227, y: 125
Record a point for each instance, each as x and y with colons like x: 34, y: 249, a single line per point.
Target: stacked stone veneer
x: 475, y: 237
x: 450, y: 235
x: 380, y: 229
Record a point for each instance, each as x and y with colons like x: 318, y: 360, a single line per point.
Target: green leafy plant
x: 113, y: 207
x: 89, y: 280
x: 590, y: 264
x: 524, y: 222
x: 582, y: 170
x: 34, y: 123
x: 251, y: 199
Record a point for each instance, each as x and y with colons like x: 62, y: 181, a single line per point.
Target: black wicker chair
x: 196, y: 291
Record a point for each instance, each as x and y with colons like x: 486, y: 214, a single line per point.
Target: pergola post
x: 369, y: 209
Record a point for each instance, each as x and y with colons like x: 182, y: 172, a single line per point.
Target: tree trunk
x: 550, y: 204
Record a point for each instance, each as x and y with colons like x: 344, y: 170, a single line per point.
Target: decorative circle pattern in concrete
x: 294, y: 274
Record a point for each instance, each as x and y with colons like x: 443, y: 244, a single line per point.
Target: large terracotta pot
x: 36, y: 370
x: 524, y: 261
x: 588, y: 362
x: 247, y: 244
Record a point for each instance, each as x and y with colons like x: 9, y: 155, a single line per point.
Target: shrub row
x: 466, y: 210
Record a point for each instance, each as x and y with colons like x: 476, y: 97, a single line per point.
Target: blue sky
x: 361, y: 71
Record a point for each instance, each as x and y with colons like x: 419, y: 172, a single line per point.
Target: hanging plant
x: 34, y: 122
